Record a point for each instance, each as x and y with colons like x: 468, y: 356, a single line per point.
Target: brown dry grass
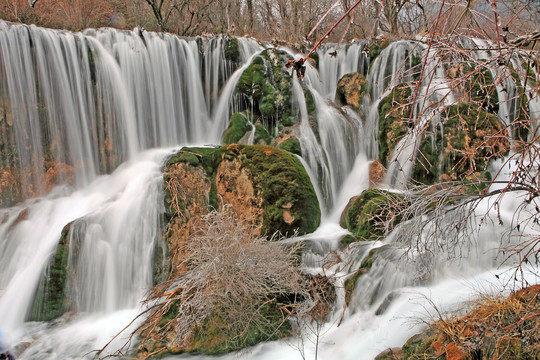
x: 495, y: 328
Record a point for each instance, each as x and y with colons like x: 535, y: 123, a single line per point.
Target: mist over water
x: 118, y: 103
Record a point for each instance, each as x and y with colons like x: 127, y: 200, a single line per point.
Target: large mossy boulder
x: 265, y: 186
x: 372, y: 213
x: 351, y: 89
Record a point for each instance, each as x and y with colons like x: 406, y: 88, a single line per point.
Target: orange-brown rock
x: 234, y: 187
x: 377, y: 173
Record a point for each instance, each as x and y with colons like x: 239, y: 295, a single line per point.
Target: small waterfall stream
x: 116, y: 104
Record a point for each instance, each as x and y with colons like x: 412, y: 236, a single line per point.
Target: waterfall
x: 89, y: 101
x: 120, y: 214
x: 81, y: 113
x: 86, y: 122
x: 331, y: 145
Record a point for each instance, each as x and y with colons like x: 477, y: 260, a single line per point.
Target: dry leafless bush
x: 230, y: 284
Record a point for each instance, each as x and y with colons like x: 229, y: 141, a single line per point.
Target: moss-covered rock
x: 394, y: 114
x: 291, y: 145
x: 238, y: 127
x: 494, y: 328
x: 289, y: 200
x: 366, y: 215
x: 51, y: 300
x: 351, y: 89
x: 266, y: 186
x: 472, y: 137
x: 231, y: 48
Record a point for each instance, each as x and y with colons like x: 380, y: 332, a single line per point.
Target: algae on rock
x: 371, y: 214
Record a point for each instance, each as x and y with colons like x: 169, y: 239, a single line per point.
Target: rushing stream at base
x: 136, y: 95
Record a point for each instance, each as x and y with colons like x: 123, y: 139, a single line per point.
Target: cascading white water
x: 95, y: 100
x: 331, y: 145
x: 121, y: 216
x: 131, y: 91
x: 103, y: 95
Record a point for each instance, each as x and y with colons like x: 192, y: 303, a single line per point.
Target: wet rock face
x: 457, y: 147
x: 351, y: 89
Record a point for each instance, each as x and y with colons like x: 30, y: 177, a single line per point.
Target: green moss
x: 365, y: 214
x: 472, y: 135
x: 231, y: 49
x: 262, y: 135
x: 292, y: 145
x: 393, y: 118
x: 213, y: 336
x: 238, y: 127
x: 50, y: 301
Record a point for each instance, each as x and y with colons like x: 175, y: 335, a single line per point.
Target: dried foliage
x: 232, y: 290
x: 284, y: 19
x: 497, y: 327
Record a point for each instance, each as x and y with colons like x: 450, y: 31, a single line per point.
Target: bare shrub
x: 232, y: 290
